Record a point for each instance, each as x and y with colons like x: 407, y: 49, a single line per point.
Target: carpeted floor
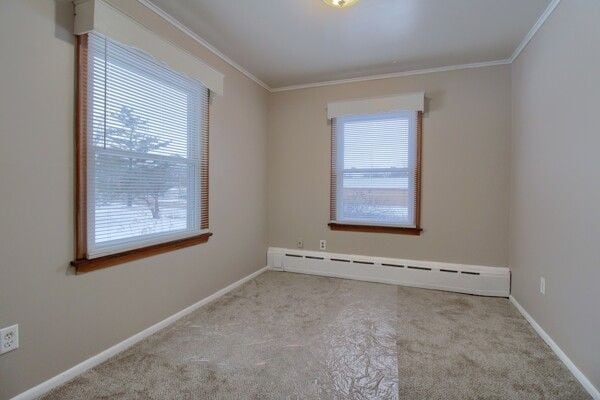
x: 291, y: 336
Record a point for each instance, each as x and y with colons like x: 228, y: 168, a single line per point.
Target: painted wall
x: 465, y: 179
x: 555, y: 185
x: 63, y: 318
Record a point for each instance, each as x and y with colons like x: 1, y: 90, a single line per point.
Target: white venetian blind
x: 374, y: 169
x: 146, y: 143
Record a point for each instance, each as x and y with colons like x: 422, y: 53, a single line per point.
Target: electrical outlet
x: 9, y: 339
x: 300, y: 243
x: 543, y: 285
x: 323, y: 244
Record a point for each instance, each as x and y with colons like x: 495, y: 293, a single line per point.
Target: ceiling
x: 291, y: 42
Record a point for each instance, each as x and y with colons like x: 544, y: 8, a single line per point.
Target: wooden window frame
x: 82, y: 262
x: 335, y: 225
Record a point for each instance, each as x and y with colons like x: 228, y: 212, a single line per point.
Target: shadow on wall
x: 63, y: 30
x: 433, y: 101
x: 63, y: 17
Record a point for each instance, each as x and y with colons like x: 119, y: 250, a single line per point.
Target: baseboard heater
x: 471, y: 279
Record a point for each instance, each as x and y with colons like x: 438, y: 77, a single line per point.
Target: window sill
x: 336, y: 226
x: 92, y: 264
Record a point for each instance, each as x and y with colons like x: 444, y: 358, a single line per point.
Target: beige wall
x: 64, y: 319
x: 555, y: 196
x: 465, y: 168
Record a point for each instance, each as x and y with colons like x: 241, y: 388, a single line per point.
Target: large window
x: 142, y: 155
x: 375, y: 172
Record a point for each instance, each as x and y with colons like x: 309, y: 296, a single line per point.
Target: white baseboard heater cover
x: 471, y: 279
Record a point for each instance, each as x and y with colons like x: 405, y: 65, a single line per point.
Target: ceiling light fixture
x: 340, y: 3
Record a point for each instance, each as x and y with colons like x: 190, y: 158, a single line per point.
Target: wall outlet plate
x: 323, y: 245
x: 9, y: 339
x: 299, y: 243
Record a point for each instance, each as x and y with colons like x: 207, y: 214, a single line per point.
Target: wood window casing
x: 82, y: 262
x: 336, y: 225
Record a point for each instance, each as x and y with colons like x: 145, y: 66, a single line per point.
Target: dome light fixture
x: 340, y: 3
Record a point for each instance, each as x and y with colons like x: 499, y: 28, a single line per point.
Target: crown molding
x: 534, y: 29
x: 179, y: 25
x: 392, y: 75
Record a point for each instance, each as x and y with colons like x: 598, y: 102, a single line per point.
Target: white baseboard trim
x: 461, y: 278
x: 91, y: 362
x: 585, y: 382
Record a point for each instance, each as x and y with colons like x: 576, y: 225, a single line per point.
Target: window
x: 142, y: 155
x: 375, y: 172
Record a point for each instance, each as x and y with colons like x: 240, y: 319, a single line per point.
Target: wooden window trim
x: 82, y: 263
x: 81, y: 149
x: 92, y: 264
x: 374, y: 228
x: 337, y: 226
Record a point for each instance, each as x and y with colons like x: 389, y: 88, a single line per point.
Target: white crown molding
x: 585, y: 382
x: 534, y: 29
x: 44, y: 387
x: 392, y: 75
x: 177, y: 24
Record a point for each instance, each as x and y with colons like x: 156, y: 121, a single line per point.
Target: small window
x: 375, y: 172
x: 142, y: 155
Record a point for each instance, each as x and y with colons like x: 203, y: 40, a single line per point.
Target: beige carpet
x: 291, y: 336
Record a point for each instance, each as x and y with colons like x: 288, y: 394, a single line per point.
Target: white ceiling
x: 290, y: 42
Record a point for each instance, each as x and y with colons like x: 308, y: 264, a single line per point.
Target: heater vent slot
x: 314, y: 257
x: 393, y: 265
x: 449, y: 270
x: 363, y: 262
x: 469, y: 273
x: 339, y: 260
x: 418, y: 268
x: 294, y: 255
